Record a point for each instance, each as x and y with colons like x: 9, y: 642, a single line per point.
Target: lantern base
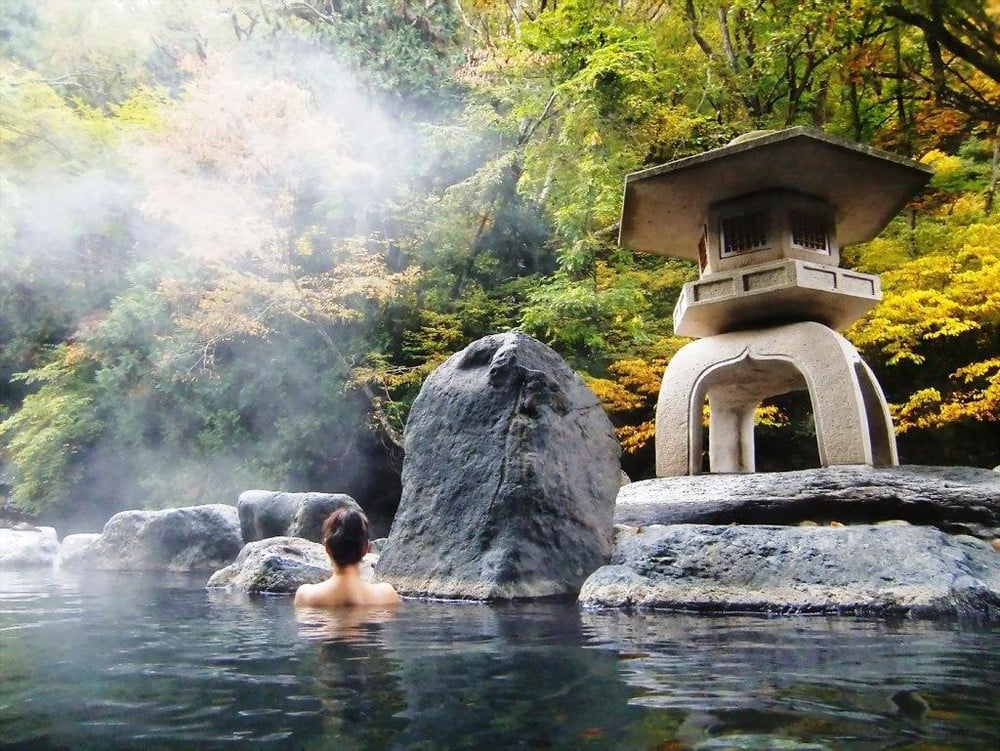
x: 736, y: 371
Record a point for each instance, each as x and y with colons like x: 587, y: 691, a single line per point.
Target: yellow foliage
x: 247, y: 304
x: 631, y: 391
x: 635, y: 437
x: 918, y: 411
x: 304, y: 244
x: 881, y: 254
x: 942, y: 163
x: 640, y: 376
x: 37, y: 127
x: 74, y: 354
x: 614, y: 397
x: 770, y: 416
x: 937, y: 295
x: 967, y: 207
x: 946, y: 294
x: 975, y: 397
x: 143, y: 108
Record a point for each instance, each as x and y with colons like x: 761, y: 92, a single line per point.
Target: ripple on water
x: 110, y: 662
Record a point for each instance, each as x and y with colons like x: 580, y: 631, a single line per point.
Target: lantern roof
x: 665, y: 207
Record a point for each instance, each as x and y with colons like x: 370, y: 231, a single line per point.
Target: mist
x: 196, y: 229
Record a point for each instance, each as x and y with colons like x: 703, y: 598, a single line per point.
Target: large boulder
x: 193, y: 538
x: 271, y: 513
x: 954, y: 499
x: 510, y: 474
x: 891, y: 570
x: 27, y: 547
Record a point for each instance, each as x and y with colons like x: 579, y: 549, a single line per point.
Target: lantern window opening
x: 744, y: 233
x: 810, y: 230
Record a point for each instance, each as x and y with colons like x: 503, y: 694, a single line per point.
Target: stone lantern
x: 765, y: 218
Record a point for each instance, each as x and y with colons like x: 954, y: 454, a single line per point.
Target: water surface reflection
x: 106, y: 661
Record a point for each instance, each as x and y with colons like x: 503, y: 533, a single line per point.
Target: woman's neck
x: 348, y: 572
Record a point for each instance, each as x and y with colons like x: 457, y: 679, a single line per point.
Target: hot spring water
x: 119, y: 661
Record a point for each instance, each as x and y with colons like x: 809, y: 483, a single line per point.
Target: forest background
x: 235, y: 236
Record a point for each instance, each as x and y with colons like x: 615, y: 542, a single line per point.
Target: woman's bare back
x: 345, y: 590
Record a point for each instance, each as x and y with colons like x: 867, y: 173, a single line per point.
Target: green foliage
x: 402, y: 52
x: 47, y: 437
x: 225, y: 266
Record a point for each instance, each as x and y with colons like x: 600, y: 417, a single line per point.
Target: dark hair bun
x: 345, y: 535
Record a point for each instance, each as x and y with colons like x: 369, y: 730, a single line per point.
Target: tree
x: 238, y: 237
x: 962, y: 40
x: 936, y: 336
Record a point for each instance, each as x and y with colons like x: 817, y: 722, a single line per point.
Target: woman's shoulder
x: 312, y: 594
x: 302, y: 594
x: 384, y: 593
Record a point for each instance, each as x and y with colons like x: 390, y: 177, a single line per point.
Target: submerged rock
x: 859, y: 569
x: 280, y: 565
x: 192, y: 538
x: 961, y: 500
x: 509, y: 479
x: 271, y: 513
x: 27, y: 547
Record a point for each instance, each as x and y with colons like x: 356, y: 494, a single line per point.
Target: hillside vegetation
x: 237, y: 234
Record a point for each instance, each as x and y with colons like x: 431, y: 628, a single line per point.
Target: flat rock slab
x: 191, y: 538
x: 509, y: 479
x: 897, y: 570
x: 29, y: 547
x: 962, y: 500
x: 280, y: 565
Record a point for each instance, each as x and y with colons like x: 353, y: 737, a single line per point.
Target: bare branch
x: 37, y: 137
x: 937, y: 33
x: 692, y: 19
x: 727, y: 40
x: 528, y: 132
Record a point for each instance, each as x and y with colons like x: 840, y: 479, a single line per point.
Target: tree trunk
x: 991, y: 190
x: 901, y: 114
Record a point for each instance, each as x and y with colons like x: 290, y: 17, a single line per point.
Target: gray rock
x: 280, y: 565
x: 862, y: 569
x: 961, y: 500
x: 27, y: 547
x: 74, y: 546
x: 277, y: 565
x: 510, y: 473
x: 193, y: 538
x: 271, y: 513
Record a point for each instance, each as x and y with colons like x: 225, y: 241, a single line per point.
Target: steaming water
x: 109, y: 661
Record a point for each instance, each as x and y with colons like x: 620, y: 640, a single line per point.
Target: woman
x: 345, y: 537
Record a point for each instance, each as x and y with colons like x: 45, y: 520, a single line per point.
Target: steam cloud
x: 242, y: 128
